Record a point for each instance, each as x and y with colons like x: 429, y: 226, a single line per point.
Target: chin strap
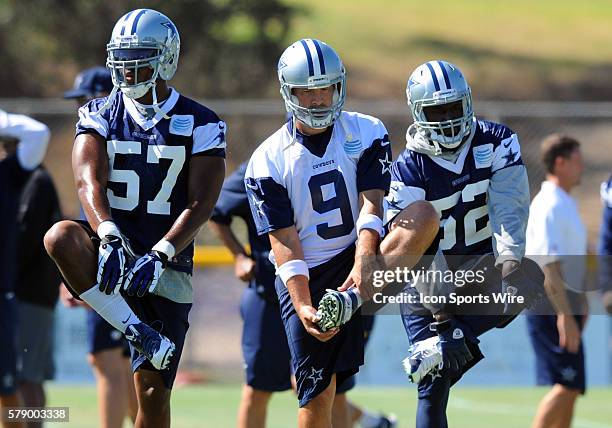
x: 155, y: 106
x: 107, y: 102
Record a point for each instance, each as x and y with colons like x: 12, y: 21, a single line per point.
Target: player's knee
x: 418, y: 220
x: 61, y: 238
x: 154, y: 399
x: 566, y: 393
x: 255, y: 397
x: 107, y: 367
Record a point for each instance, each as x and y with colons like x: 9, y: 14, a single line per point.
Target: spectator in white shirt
x: 557, y: 238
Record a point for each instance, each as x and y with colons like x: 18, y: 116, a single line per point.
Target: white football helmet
x: 142, y: 38
x: 436, y: 83
x: 312, y: 64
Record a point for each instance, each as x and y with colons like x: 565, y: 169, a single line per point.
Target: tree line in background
x: 228, y: 47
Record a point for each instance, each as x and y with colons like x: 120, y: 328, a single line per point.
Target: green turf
x: 215, y: 406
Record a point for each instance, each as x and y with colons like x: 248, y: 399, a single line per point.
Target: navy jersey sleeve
x: 507, y: 150
x: 90, y: 121
x: 407, y: 185
x: 268, y: 198
x: 208, y: 134
x: 233, y: 199
x: 374, y: 166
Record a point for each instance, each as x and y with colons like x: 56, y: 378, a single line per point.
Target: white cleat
x: 424, y: 356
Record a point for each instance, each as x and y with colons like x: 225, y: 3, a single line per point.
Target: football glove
x: 527, y: 280
x: 455, y: 353
x: 144, y: 275
x: 111, y: 264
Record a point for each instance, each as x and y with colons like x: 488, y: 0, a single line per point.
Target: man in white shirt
x: 557, y: 238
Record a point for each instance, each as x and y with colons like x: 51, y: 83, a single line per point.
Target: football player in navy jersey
x: 472, y: 173
x: 316, y: 188
x: 148, y: 165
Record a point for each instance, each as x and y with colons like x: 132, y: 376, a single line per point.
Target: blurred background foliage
x: 228, y: 46
x: 510, y: 50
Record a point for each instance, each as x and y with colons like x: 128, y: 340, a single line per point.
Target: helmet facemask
x: 123, y: 61
x: 448, y: 134
x: 316, y: 118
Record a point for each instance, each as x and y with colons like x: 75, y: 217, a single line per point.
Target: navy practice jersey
x: 233, y: 201
x: 460, y: 189
x: 149, y: 163
x: 314, y: 182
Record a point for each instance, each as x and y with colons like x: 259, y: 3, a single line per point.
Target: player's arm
x: 206, y: 175
x: 293, y: 271
x: 508, y: 203
x: 373, y: 180
x: 369, y: 229
x: 204, y: 183
x: 233, y: 202
x: 90, y: 169
x: 569, y: 333
x: 244, y: 266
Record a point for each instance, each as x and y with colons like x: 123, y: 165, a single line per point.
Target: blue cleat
x: 157, y: 348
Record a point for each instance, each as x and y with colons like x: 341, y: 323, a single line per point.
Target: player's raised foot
x: 157, y: 348
x: 423, y: 357
x: 337, y: 308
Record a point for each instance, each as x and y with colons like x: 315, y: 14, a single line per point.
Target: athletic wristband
x: 108, y: 227
x: 164, y: 246
x: 369, y: 221
x: 292, y: 268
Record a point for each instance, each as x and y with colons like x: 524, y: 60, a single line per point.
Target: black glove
x: 455, y: 352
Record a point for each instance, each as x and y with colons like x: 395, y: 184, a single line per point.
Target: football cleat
x: 335, y: 308
x: 157, y: 348
x: 424, y: 356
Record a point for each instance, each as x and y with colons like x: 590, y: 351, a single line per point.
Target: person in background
x: 557, y: 237
x: 36, y: 288
x: 23, y: 144
x: 109, y: 354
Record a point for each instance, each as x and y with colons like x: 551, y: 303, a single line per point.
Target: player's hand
x: 244, y: 267
x: 455, y: 352
x: 144, y: 275
x: 526, y: 280
x: 356, y: 278
x: 111, y: 264
x: 569, y: 333
x: 308, y: 316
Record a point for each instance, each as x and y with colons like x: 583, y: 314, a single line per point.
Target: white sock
x: 368, y: 420
x: 113, y: 308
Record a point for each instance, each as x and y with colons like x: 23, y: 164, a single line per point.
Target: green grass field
x: 214, y: 406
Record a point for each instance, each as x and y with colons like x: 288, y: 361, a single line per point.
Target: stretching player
x: 148, y: 165
x: 316, y: 188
